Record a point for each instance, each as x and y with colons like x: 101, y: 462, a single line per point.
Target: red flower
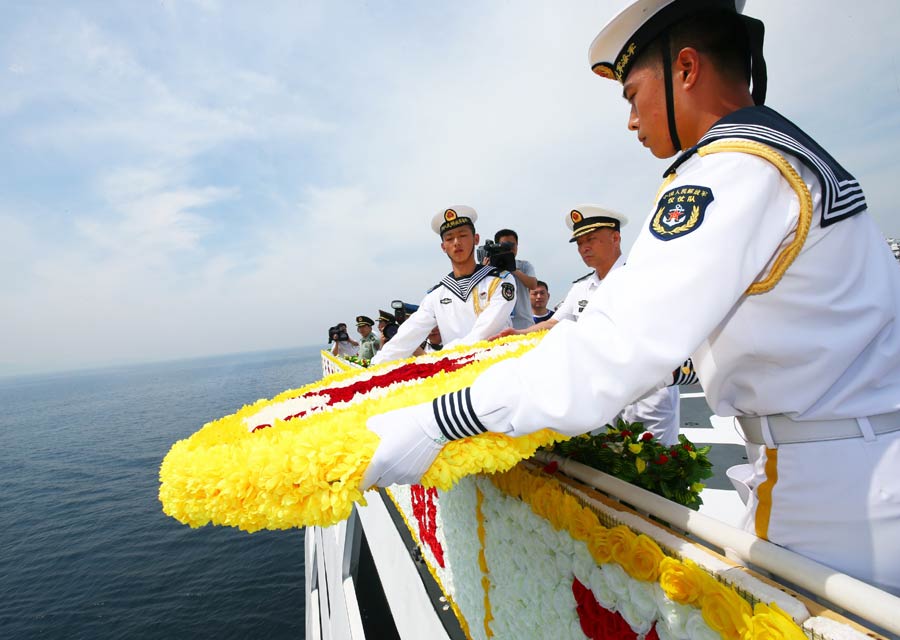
x: 688, y: 447
x: 647, y: 436
x: 425, y: 511
x: 598, y: 623
x: 626, y: 433
x: 662, y: 459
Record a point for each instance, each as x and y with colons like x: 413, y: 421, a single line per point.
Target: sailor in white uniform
x: 469, y: 304
x: 760, y: 259
x: 597, y: 232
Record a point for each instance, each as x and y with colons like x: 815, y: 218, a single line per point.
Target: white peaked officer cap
x: 624, y: 37
x: 453, y: 217
x: 588, y: 217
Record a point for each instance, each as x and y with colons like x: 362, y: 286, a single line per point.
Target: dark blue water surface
x: 85, y: 549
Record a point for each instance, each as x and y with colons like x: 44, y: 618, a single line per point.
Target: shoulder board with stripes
x: 842, y: 195
x: 462, y: 287
x: 584, y: 277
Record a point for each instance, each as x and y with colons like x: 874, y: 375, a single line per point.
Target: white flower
x: 697, y: 629
x: 633, y: 617
x: 642, y: 596
x: 672, y: 616
x: 600, y: 588
x: 617, y: 579
x: 564, y: 602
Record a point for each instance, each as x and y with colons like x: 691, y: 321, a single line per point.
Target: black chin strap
x: 670, y: 98
x: 756, y: 32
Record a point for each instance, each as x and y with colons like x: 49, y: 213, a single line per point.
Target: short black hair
x: 541, y: 283
x: 506, y: 232
x: 720, y: 35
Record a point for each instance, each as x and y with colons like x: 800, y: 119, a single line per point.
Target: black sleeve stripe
x: 454, y: 433
x: 435, y: 405
x: 466, y: 422
x: 467, y: 393
x: 685, y: 374
x: 455, y: 417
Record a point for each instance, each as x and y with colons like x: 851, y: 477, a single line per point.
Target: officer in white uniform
x: 760, y: 259
x: 598, y: 234
x: 469, y: 304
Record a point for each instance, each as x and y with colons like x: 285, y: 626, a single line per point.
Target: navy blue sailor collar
x: 842, y: 195
x: 461, y: 287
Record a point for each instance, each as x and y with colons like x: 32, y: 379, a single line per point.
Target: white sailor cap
x: 623, y: 38
x: 452, y: 217
x: 587, y: 217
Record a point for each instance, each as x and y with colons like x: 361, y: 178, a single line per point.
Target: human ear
x: 686, y: 67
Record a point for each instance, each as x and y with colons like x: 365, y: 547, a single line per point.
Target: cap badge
x: 576, y: 216
x: 680, y: 211
x: 604, y: 70
x: 449, y: 215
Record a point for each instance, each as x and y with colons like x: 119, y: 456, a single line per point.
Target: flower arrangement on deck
x: 632, y: 454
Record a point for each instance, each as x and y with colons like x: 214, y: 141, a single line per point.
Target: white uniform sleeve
x: 566, y: 311
x: 495, y: 317
x: 649, y: 317
x: 410, y: 334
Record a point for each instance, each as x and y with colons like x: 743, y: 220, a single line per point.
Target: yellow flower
x: 771, y: 623
x: 621, y: 539
x: 645, y: 556
x: 635, y: 448
x: 598, y: 545
x: 725, y: 611
x: 583, y: 525
x: 682, y: 582
x: 640, y: 464
x: 306, y: 471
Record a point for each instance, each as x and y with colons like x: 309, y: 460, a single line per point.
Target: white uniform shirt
x: 344, y: 348
x: 464, y: 313
x: 657, y: 410
x: 824, y: 343
x: 582, y: 290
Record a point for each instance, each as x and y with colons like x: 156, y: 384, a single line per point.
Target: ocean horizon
x: 86, y: 550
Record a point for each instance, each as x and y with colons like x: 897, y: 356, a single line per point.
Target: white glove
x: 410, y: 441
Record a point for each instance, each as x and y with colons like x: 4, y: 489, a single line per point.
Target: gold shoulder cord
x: 492, y: 287
x: 790, y: 252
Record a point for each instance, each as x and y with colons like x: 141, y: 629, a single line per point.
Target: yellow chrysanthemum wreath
x: 307, y: 471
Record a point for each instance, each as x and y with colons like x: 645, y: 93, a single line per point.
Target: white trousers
x: 837, y: 502
x: 660, y: 413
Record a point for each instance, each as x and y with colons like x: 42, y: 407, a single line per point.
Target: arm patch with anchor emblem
x: 680, y: 211
x: 508, y: 291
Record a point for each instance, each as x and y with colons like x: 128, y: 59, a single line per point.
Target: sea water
x: 85, y: 549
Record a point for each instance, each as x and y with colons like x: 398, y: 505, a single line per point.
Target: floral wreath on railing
x: 298, y: 460
x: 632, y: 454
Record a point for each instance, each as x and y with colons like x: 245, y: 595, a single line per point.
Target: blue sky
x: 198, y: 177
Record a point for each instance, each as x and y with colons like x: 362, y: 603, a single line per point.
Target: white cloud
x: 206, y: 177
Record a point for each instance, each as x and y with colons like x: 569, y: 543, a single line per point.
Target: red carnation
x: 662, y: 459
x: 647, y: 436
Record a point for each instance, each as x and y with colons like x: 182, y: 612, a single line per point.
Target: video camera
x: 337, y: 335
x: 499, y: 255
